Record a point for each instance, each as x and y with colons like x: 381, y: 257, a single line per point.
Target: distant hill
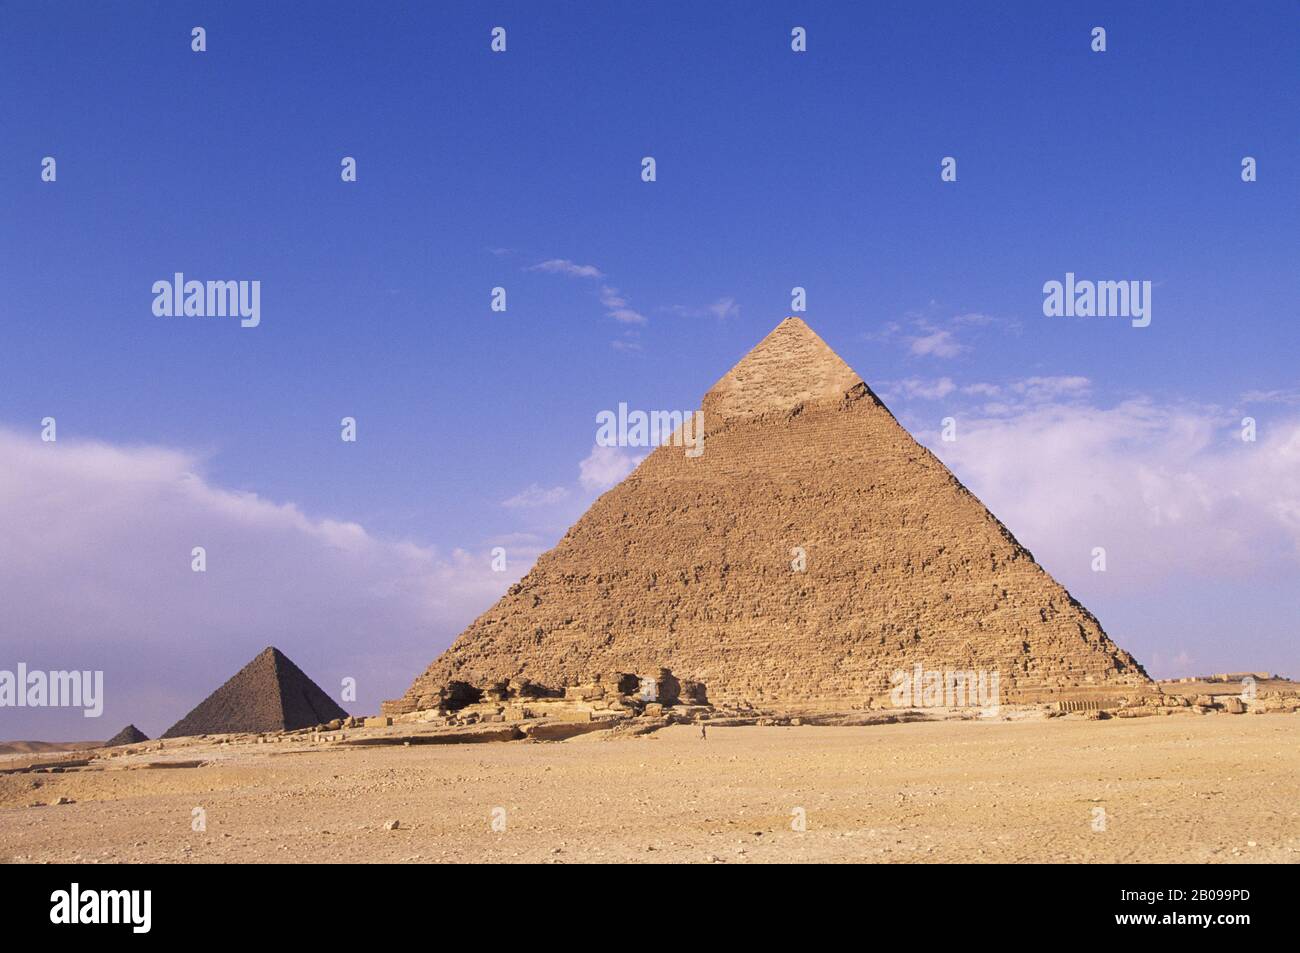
x: 41, y: 747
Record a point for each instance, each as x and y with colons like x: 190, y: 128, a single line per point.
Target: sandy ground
x: 1216, y: 788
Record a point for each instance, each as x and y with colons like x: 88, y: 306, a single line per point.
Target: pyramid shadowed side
x: 303, y: 702
x: 270, y: 693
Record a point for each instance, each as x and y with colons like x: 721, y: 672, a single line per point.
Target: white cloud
x: 563, y: 266
x: 95, y: 573
x: 606, y: 466
x: 535, y: 495
x: 1167, y: 490
x: 937, y: 343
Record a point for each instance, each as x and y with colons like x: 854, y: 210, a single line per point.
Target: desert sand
x: 1178, y: 788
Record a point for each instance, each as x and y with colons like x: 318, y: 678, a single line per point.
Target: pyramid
x: 689, y: 564
x: 270, y: 693
x: 130, y: 735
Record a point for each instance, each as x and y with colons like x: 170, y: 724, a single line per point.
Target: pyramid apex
x: 789, y: 367
x: 796, y: 324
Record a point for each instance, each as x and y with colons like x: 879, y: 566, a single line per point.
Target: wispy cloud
x: 614, y: 302
x: 927, y: 333
x: 563, y: 266
x: 535, y: 495
x: 916, y: 388
x: 618, y: 308
x: 1050, y: 388
x: 722, y: 309
x: 628, y: 342
x: 936, y: 343
x: 976, y: 318
x: 1030, y: 389
x: 725, y: 308
x: 1271, y: 397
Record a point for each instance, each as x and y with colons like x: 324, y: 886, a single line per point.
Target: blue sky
x: 775, y: 169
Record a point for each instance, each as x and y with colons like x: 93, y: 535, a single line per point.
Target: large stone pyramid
x: 270, y: 693
x: 689, y: 564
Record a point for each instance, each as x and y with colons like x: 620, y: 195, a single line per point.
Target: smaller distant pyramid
x: 270, y: 693
x: 130, y: 735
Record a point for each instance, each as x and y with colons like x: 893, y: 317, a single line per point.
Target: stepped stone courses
x: 270, y: 693
x: 687, y: 565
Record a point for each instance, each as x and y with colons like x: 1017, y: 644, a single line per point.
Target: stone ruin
x: 619, y: 691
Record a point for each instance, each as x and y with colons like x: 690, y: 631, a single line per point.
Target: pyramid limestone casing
x: 687, y: 564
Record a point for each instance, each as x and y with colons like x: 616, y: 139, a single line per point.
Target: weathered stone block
x: 558, y: 731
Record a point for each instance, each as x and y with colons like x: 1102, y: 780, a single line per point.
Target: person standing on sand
x: 704, y: 732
